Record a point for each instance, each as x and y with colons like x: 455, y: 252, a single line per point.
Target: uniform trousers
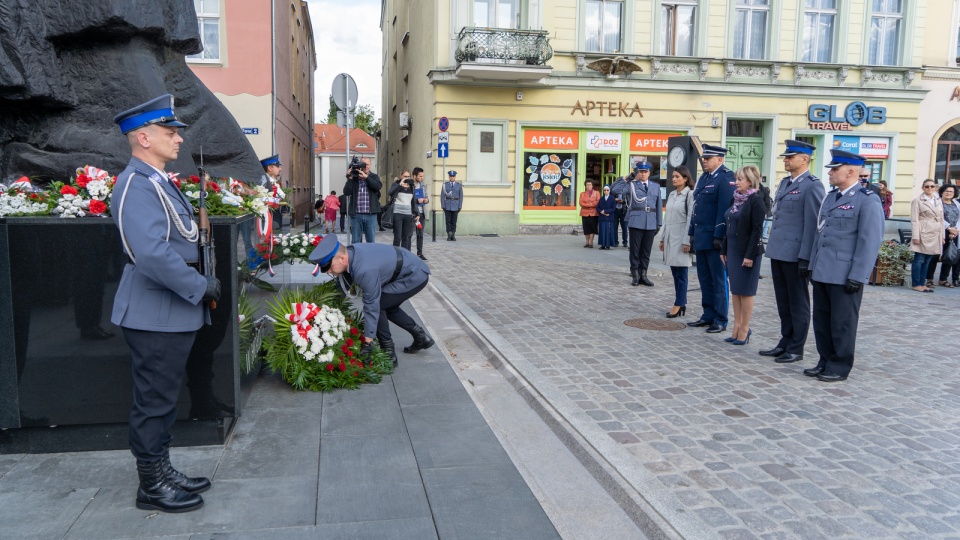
x: 390, y: 311
x: 793, y: 305
x: 451, y: 217
x: 712, y: 276
x: 158, y: 364
x: 835, y: 316
x: 641, y: 242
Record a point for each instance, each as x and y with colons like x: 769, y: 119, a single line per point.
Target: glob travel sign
x: 857, y: 113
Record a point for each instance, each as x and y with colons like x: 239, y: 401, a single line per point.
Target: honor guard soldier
x: 272, y: 169
x: 388, y: 276
x: 795, y: 208
x: 644, y: 217
x: 849, y: 233
x: 451, y: 201
x: 160, y: 300
x: 712, y: 197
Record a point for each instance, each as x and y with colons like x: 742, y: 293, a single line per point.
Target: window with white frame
x: 750, y: 29
x: 604, y: 26
x: 886, y: 23
x: 819, y: 21
x: 208, y: 18
x: 496, y: 13
x: 678, y: 19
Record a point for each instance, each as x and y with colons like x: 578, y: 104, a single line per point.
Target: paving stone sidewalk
x: 724, y: 441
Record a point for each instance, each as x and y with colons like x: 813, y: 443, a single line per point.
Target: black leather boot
x: 421, y: 340
x: 449, y: 236
x: 636, y: 278
x: 386, y: 345
x: 156, y: 492
x: 644, y: 280
x: 453, y: 236
x: 182, y: 481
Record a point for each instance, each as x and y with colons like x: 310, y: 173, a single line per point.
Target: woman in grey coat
x: 674, y: 241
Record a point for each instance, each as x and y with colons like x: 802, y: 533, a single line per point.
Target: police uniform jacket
x: 159, y: 292
x: 643, y: 203
x: 451, y: 196
x: 712, y: 197
x: 795, y: 208
x: 848, y: 239
x: 371, y: 266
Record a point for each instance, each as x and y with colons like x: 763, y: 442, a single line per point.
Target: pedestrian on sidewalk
x: 926, y: 220
x: 620, y: 229
x: 451, y: 201
x: 161, y: 300
x: 951, y: 222
x: 644, y: 217
x: 742, y: 249
x: 792, y: 233
x: 421, y: 198
x: 404, y: 209
x: 588, y: 213
x: 607, y: 215
x: 343, y: 211
x: 711, y: 197
x: 674, y: 242
x: 330, y: 206
x: 387, y: 276
x: 849, y: 233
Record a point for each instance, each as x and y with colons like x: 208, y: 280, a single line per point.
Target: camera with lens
x: 355, y: 167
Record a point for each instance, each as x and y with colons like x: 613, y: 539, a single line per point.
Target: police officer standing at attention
x: 388, y: 276
x: 272, y: 169
x: 795, y: 208
x: 849, y: 233
x: 451, y: 201
x: 159, y: 303
x: 644, y: 218
x: 711, y: 198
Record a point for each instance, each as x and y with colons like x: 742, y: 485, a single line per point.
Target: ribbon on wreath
x: 316, y: 241
x: 93, y: 172
x: 265, y: 234
x: 303, y: 312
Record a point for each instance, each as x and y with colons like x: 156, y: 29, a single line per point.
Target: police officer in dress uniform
x: 711, y: 198
x: 451, y: 201
x: 849, y: 233
x: 795, y: 208
x: 388, y: 277
x: 644, y: 217
x: 272, y: 169
x: 160, y: 302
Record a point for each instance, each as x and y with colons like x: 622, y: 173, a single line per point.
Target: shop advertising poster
x: 549, y: 180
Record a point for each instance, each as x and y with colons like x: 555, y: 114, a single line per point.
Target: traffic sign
x: 344, y: 92
x: 443, y: 137
x: 443, y: 150
x: 443, y: 124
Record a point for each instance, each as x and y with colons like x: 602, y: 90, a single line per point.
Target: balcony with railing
x: 503, y: 54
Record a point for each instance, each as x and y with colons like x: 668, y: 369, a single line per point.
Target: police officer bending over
x: 160, y: 300
x: 388, y: 277
x: 849, y: 233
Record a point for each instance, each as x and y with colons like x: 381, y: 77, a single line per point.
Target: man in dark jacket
x: 343, y: 210
x: 363, y: 188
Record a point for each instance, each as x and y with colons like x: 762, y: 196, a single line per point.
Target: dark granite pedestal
x: 65, y: 381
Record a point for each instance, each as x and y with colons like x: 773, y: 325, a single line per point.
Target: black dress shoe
x: 826, y: 376
x: 95, y: 333
x: 698, y: 323
x: 788, y: 358
x: 813, y: 372
x: 776, y: 351
x: 716, y: 329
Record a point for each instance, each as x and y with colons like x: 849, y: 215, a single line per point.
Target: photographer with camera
x: 363, y: 187
x: 404, y: 209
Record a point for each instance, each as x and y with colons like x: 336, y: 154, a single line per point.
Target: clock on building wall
x: 677, y: 156
x: 682, y: 151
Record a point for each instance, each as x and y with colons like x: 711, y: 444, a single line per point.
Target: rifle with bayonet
x: 208, y: 256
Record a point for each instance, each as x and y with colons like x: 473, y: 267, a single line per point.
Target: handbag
x: 951, y: 254
x: 387, y: 220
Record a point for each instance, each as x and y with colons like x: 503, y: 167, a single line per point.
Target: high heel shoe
x: 680, y: 313
x: 745, y: 341
x: 730, y: 339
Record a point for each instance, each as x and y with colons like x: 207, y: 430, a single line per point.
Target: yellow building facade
x: 542, y: 96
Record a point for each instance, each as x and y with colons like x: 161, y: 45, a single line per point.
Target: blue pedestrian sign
x: 443, y: 150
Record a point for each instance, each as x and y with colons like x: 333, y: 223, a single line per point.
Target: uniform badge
x: 845, y: 207
x: 794, y: 192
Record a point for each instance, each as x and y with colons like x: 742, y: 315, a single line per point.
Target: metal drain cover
x: 654, y: 324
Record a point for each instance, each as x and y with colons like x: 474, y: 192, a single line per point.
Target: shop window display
x: 549, y: 180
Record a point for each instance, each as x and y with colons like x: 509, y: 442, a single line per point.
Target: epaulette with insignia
x: 868, y: 191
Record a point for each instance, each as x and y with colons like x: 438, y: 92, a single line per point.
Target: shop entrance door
x: 744, y: 151
x: 602, y: 169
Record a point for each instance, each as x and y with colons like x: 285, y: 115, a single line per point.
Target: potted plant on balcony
x: 892, y: 265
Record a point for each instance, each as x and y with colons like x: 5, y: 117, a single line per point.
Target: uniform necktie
x: 839, y: 194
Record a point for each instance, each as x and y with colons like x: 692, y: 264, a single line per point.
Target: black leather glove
x: 804, y: 268
x: 656, y: 231
x: 365, y: 351
x: 852, y: 286
x: 717, y: 243
x: 213, y: 289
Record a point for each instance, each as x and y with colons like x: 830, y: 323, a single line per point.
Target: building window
x: 208, y: 18
x: 750, y: 31
x: 679, y: 20
x: 819, y: 17
x: 886, y: 21
x: 496, y: 13
x: 947, y: 167
x: 604, y: 26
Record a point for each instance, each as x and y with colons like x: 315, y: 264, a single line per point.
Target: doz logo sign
x: 604, y: 141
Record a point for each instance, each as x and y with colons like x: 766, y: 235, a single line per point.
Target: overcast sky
x: 348, y: 40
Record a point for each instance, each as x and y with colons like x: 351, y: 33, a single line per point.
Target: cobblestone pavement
x: 732, y: 443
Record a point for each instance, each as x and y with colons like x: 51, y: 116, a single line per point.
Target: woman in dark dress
x: 607, y: 210
x: 742, y: 249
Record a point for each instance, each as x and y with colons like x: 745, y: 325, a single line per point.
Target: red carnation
x: 83, y: 180
x: 194, y: 179
x: 68, y: 190
x: 343, y: 348
x: 356, y: 373
x: 349, y: 353
x: 330, y: 367
x: 349, y: 342
x: 176, y: 181
x: 97, y: 207
x: 342, y: 366
x: 354, y: 331
x: 34, y: 196
x: 213, y: 186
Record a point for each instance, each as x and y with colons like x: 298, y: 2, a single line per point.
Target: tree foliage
x: 363, y: 117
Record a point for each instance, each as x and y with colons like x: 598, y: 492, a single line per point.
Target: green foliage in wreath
x: 316, y: 342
